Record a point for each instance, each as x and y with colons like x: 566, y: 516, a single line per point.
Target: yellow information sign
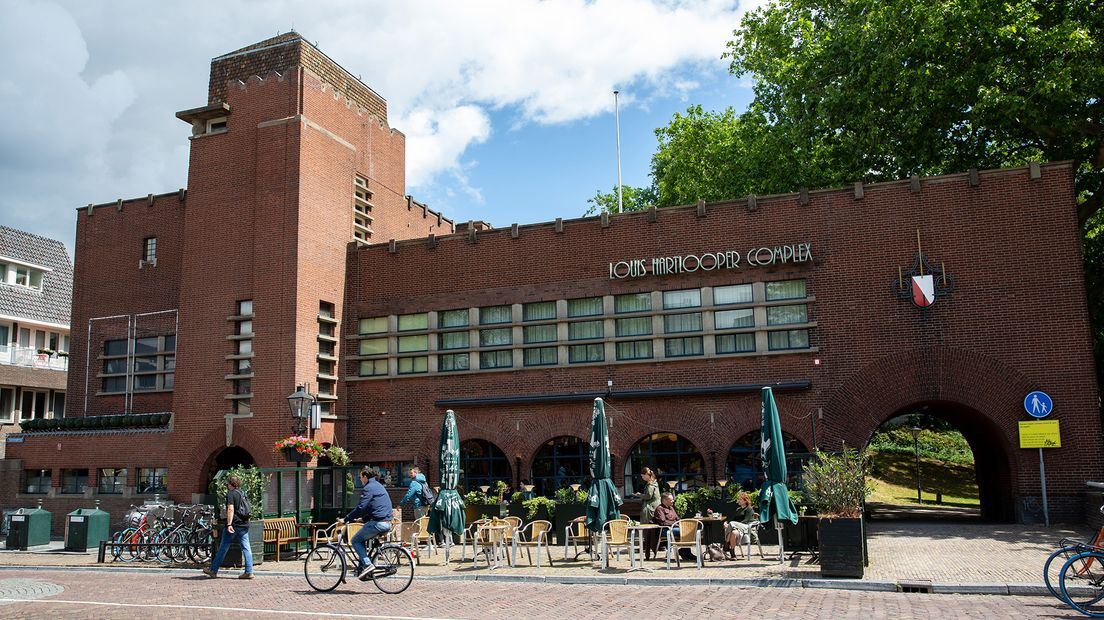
x: 1040, y: 434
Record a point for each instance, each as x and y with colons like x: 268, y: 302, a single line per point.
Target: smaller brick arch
x: 215, y: 442
x: 628, y: 475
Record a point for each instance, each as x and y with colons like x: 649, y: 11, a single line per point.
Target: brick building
x: 294, y: 257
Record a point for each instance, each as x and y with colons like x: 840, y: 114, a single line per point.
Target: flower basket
x: 298, y: 448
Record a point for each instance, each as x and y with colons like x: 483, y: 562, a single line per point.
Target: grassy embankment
x: 946, y: 466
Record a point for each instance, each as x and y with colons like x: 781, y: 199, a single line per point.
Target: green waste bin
x: 85, y: 528
x: 29, y: 527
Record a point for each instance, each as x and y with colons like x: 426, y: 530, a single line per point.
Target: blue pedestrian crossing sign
x: 1038, y: 404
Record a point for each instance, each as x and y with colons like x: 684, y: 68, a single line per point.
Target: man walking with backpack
x: 419, y: 495
x: 238, y: 512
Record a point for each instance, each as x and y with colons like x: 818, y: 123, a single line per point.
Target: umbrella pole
x: 447, y: 534
x: 781, y: 548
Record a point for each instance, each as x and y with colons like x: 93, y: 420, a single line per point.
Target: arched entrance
x: 992, y: 466
x: 559, y: 463
x: 675, y: 461
x: 482, y: 464
x: 744, y: 465
x: 232, y: 457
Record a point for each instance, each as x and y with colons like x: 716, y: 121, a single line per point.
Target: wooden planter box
x: 234, y: 554
x: 841, y: 547
x: 566, y: 513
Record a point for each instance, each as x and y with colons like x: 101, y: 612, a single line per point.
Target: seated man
x: 665, y: 514
x: 375, y: 508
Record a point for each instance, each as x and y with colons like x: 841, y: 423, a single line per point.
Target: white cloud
x: 92, y: 87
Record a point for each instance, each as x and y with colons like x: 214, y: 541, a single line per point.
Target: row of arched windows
x: 562, y: 461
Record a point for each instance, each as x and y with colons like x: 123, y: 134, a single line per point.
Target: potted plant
x: 253, y: 484
x: 479, y: 505
x: 836, y: 487
x: 338, y: 456
x: 516, y: 507
x: 298, y: 448
x: 538, y: 509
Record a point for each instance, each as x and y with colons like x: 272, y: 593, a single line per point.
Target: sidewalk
x: 953, y: 557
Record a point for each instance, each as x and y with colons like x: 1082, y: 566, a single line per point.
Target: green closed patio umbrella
x: 603, y: 501
x: 446, y: 515
x: 774, y: 497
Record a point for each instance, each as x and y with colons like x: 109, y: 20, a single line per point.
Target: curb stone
x: 837, y: 584
x: 969, y: 588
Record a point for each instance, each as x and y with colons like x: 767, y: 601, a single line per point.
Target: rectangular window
x: 541, y: 356
x: 634, y: 350
x: 786, y: 289
x: 40, y: 339
x: 241, y: 406
x: 245, y: 307
x: 633, y: 302
x: 787, y: 315
x: 64, y: 343
x: 114, y: 385
x: 584, y: 330
x: 373, y: 346
x: 540, y: 333
x: 736, y: 343
x: 411, y: 322
x: 588, y: 306
x: 638, y: 326
x: 151, y: 480
x: 789, y: 339
x: 373, y: 368
x: 326, y: 368
x: 156, y: 367
x: 688, y: 298
x: 453, y: 318
x: 409, y: 344
x: 678, y: 323
x: 37, y: 480
x: 244, y: 367
x: 7, y: 404
x: 539, y: 311
x: 23, y: 276
x: 495, y: 314
x: 735, y: 294
x: 74, y: 480
x: 32, y: 405
x: 115, y: 366
x: 145, y: 345
x: 243, y: 347
x: 5, y: 336
x: 115, y: 347
x: 327, y: 349
x: 112, y: 481
x: 683, y: 347
x: 496, y: 359
x: 325, y: 309
x: 413, y: 365
x: 495, y: 337
x: 453, y: 361
x: 324, y: 329
x: 149, y: 249
x: 243, y: 387
x: 453, y: 340
x: 58, y: 408
x: 52, y: 341
x: 733, y: 319
x: 374, y: 325
x: 581, y: 353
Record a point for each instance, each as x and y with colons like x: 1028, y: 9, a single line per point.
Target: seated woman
x: 738, y: 531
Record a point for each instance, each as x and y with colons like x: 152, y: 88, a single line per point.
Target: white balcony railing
x: 31, y: 358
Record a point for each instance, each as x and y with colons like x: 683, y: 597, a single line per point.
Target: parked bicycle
x: 327, y: 565
x: 1074, y: 573
x: 164, y: 533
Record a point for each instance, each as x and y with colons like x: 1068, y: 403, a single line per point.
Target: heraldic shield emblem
x: 926, y: 283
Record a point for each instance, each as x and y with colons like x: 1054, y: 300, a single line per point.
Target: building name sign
x: 711, y: 261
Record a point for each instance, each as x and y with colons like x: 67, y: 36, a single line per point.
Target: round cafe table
x: 636, y: 541
x: 712, y: 530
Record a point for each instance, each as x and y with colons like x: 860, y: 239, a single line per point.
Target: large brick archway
x: 977, y: 394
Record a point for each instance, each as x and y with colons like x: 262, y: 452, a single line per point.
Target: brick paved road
x: 128, y: 594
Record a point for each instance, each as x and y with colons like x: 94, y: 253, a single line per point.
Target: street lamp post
x: 300, y: 404
x: 916, y: 449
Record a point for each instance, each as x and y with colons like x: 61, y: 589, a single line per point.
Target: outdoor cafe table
x: 637, y: 537
x: 712, y: 530
x: 495, y: 535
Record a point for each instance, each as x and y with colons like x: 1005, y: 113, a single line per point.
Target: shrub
x: 533, y: 505
x: 567, y: 495
x: 253, y: 485
x: 835, y: 483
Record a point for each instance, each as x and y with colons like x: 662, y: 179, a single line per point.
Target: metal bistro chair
x: 535, y: 534
x: 422, y: 536
x: 468, y: 537
x: 490, y: 541
x: 752, y: 536
x: 407, y: 536
x: 576, y: 532
x: 689, y: 536
x: 615, y: 535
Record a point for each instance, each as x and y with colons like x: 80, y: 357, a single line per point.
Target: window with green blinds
x: 736, y: 294
x: 590, y: 306
x: 786, y: 289
x: 584, y: 330
x: 638, y: 326
x: 539, y: 311
x: 452, y: 340
x: 786, y: 315
x: 540, y: 333
x: 677, y: 323
x: 495, y: 314
x: 452, y: 318
x: 499, y: 337
x: 633, y: 302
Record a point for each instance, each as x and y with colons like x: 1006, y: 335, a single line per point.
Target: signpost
x: 1040, y: 434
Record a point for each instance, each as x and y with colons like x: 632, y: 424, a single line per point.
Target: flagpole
x: 919, y: 252
x: 617, y: 122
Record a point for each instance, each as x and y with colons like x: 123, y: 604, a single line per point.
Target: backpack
x: 428, y: 496
x: 246, y: 509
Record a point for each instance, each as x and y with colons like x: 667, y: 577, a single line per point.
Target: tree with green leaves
x: 632, y: 199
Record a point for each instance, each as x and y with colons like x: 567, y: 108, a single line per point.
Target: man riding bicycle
x: 375, y: 509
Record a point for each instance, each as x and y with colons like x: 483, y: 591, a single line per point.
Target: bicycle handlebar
x: 1094, y: 485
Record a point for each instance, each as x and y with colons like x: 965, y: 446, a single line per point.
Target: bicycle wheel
x: 394, y: 569
x: 1052, y: 568
x: 1081, y: 586
x: 163, y: 552
x: 199, y: 546
x: 131, y: 541
x: 324, y: 567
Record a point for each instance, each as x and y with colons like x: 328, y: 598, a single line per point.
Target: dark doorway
x: 232, y: 457
x: 952, y: 453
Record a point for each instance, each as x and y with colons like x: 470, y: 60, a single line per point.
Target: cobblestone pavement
x: 131, y: 594
x: 944, y: 553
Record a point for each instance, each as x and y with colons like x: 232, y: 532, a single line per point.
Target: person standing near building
x: 375, y: 508
x: 649, y: 501
x: 238, y: 512
x: 415, y: 494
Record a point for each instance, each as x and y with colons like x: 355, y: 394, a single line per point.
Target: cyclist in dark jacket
x: 374, y: 508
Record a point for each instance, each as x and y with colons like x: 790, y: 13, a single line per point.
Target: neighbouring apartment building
x: 294, y: 256
x: 36, y: 288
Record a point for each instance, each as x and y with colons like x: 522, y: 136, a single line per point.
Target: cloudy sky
x: 507, y: 105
